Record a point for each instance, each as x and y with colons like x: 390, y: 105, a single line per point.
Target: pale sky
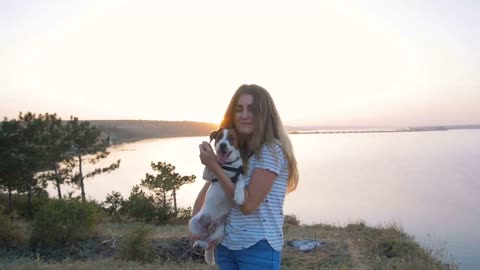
x: 377, y: 63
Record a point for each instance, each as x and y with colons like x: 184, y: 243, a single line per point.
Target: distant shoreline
x: 361, y: 131
x: 410, y: 129
x: 128, y: 131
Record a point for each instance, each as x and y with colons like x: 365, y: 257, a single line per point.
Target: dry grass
x: 167, y: 231
x: 389, y: 247
x: 355, y: 246
x: 136, y: 245
x: 108, y: 263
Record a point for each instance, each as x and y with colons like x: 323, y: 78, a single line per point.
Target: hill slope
x: 122, y: 131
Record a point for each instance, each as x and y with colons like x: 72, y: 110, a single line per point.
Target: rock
x: 305, y: 245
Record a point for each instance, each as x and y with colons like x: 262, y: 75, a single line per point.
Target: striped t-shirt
x: 266, y: 222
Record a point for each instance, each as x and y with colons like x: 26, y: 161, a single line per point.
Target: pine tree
x: 58, y: 151
x: 166, y: 180
x: 31, y: 154
x: 86, y: 140
x: 10, y: 161
x: 177, y: 182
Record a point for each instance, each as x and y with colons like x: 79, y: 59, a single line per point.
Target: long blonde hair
x: 268, y: 127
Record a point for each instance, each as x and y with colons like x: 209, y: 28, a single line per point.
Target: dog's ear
x: 213, y: 134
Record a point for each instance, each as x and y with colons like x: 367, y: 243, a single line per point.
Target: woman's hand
x: 207, y: 156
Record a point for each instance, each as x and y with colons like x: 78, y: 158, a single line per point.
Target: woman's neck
x: 245, y: 143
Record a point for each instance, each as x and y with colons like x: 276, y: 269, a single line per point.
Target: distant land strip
x: 409, y: 129
x: 125, y: 131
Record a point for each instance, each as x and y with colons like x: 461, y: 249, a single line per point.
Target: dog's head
x: 226, y: 145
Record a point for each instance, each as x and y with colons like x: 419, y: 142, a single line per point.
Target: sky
x: 361, y: 63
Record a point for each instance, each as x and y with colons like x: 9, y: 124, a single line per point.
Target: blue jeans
x: 260, y: 256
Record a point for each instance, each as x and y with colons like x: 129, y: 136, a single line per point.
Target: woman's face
x: 244, y: 119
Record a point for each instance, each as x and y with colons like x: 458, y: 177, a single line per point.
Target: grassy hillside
x: 122, y: 131
x: 355, y: 246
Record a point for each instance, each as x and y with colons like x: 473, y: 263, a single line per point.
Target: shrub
x: 141, y: 207
x: 184, y: 215
x: 113, y: 202
x: 116, y: 217
x: 292, y: 220
x: 61, y: 221
x: 10, y: 234
x: 164, y: 215
x: 182, y: 218
x: 20, y: 203
x: 148, y: 208
x: 136, y: 245
x: 6, y: 227
x: 393, y: 248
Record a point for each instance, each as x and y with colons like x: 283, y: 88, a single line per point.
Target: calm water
x: 428, y: 182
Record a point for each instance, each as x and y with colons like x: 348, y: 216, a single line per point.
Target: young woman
x: 253, y: 233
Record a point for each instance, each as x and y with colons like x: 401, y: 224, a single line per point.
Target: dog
x: 209, y: 222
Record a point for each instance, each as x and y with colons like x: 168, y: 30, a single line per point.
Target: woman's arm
x: 260, y: 184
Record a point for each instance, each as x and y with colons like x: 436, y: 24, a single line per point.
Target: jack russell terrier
x: 209, y: 222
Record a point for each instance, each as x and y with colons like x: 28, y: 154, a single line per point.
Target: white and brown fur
x: 209, y: 222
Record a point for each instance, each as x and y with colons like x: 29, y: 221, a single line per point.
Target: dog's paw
x: 200, y: 244
x: 207, y: 174
x: 239, y: 196
x: 239, y: 200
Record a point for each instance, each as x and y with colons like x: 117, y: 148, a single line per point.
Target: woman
x: 254, y: 236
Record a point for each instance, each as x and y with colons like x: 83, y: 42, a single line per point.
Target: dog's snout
x: 223, y: 146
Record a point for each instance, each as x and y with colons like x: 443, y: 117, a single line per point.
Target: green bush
x: 101, y: 216
x: 182, y: 218
x: 61, y: 221
x: 164, y: 215
x: 116, y: 217
x: 291, y: 219
x: 141, y: 208
x: 6, y: 227
x: 20, y: 203
x: 113, y: 202
x: 391, y: 248
x: 136, y: 245
x: 10, y: 234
